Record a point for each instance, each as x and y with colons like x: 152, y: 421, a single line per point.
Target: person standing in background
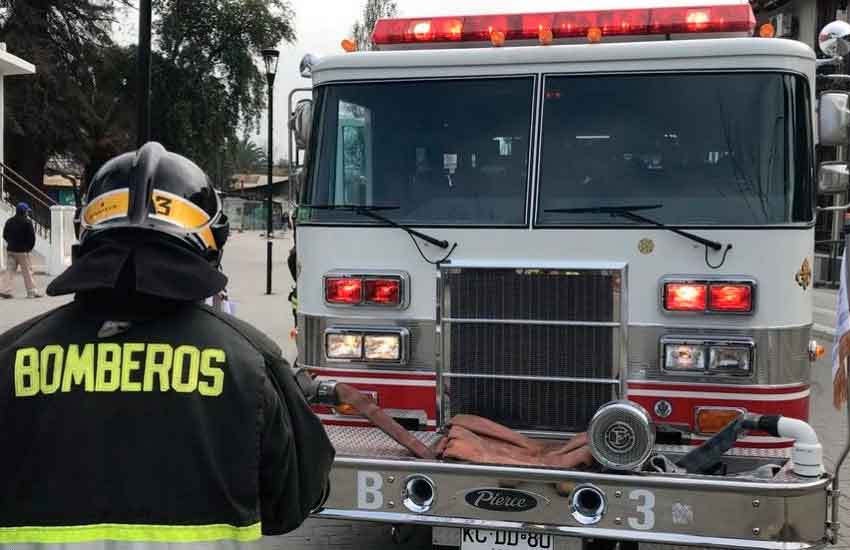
x: 19, y: 235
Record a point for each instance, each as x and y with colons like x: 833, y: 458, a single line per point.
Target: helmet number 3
x: 645, y: 507
x: 163, y: 205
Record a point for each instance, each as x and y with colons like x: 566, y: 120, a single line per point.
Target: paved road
x: 244, y: 263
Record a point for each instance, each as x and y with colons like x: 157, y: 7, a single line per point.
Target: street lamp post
x: 270, y: 58
x: 144, y: 68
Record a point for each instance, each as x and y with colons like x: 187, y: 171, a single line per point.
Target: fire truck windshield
x: 453, y: 152
x: 715, y: 149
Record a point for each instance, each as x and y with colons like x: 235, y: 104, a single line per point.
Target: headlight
x: 379, y: 345
x: 684, y: 356
x: 344, y: 346
x: 734, y: 360
x: 733, y: 356
x: 383, y: 347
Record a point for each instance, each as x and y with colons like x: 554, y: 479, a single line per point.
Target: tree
x: 246, y: 156
x: 372, y: 11
x: 47, y: 112
x: 206, y: 80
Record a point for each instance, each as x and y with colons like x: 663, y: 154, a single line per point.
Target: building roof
x: 251, y: 181
x: 58, y: 181
x: 13, y: 65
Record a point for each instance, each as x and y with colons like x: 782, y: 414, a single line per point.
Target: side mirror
x: 834, y: 39
x: 307, y: 63
x: 834, y: 118
x: 301, y: 121
x: 833, y: 177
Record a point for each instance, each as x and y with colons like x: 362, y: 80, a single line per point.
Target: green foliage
x: 246, y: 156
x: 362, y: 30
x: 206, y: 87
x: 206, y: 81
x: 47, y: 114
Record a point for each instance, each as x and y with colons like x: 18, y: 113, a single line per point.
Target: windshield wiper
x: 371, y: 212
x: 628, y: 212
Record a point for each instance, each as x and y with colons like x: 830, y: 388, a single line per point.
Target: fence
x: 250, y: 215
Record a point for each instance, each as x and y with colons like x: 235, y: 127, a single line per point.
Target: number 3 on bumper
x: 645, y: 507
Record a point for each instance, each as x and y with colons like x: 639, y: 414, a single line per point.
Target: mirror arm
x: 830, y: 61
x: 833, y: 208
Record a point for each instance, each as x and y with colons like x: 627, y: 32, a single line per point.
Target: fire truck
x: 581, y: 220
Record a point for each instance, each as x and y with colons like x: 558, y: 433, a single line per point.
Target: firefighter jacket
x: 131, y: 418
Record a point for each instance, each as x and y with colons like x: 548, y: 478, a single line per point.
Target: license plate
x: 484, y: 539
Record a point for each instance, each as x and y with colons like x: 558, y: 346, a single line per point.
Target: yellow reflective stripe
x: 181, y: 212
x: 107, y: 207
x: 128, y: 533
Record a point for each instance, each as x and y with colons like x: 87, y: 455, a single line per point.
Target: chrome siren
x: 621, y: 435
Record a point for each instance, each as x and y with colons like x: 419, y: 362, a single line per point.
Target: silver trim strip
x: 614, y: 381
x: 584, y: 532
x: 552, y: 475
x: 533, y: 322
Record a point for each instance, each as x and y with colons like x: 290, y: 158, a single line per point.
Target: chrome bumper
x: 785, y: 512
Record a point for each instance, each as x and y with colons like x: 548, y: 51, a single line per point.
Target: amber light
x: 711, y: 421
x: 731, y: 298
x: 340, y: 290
x: 349, y: 45
x: 347, y: 409
x: 383, y: 291
x: 767, y: 31
x: 685, y: 297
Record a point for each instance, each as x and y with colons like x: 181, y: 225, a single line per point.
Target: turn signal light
x: 731, y: 297
x: 343, y: 290
x: 711, y: 421
x: 685, y: 296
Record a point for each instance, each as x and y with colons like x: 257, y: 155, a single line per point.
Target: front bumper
x: 784, y: 512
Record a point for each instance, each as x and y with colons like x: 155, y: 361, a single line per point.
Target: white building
x: 10, y: 65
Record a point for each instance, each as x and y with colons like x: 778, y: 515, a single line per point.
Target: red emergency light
x: 708, y: 296
x: 685, y: 296
x: 731, y: 297
x: 577, y: 24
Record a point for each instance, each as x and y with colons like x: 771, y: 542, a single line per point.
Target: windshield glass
x: 712, y: 149
x: 447, y: 152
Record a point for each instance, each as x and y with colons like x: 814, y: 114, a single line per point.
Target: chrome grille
x: 534, y: 349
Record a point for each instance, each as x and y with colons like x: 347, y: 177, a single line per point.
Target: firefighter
x: 136, y: 413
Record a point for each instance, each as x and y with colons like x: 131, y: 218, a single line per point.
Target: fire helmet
x: 154, y: 190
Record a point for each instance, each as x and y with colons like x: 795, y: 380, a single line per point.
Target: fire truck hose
x: 482, y: 441
x: 368, y: 408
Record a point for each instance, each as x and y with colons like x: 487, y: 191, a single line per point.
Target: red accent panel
x: 719, y: 388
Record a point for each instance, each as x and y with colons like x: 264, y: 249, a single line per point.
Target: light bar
x: 634, y: 22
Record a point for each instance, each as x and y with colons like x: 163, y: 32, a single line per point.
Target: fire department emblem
x: 683, y: 514
x: 646, y: 246
x: 620, y: 437
x: 804, y: 276
x: 663, y: 408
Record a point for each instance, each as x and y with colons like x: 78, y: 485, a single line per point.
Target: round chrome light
x: 587, y: 504
x: 419, y: 494
x: 621, y: 435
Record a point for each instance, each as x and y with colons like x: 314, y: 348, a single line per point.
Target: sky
x: 322, y: 24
